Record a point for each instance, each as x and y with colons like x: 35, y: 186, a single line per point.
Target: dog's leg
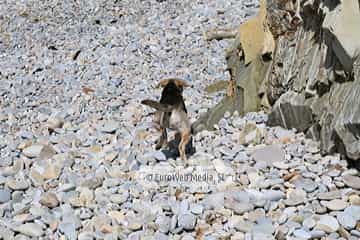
x: 162, y: 139
x: 185, y: 137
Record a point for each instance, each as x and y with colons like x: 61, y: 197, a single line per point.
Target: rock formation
x: 310, y: 78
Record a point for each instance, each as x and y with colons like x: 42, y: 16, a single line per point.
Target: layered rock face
x: 312, y: 80
x: 319, y: 70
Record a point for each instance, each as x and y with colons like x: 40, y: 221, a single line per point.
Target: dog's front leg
x: 162, y: 139
x: 185, y: 137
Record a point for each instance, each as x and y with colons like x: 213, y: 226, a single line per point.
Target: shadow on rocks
x: 172, y: 150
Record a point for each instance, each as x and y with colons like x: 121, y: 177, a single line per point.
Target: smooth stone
x: 256, y: 214
x: 262, y: 236
x: 329, y: 195
x: 160, y: 236
x: 68, y: 229
x: 307, y: 184
x: 353, y: 211
x: 266, y: 228
x: 273, y: 195
x: 119, y: 198
x: 54, y: 122
x: 187, y: 221
x: 244, y: 226
x: 33, y: 151
x: 354, y: 199
x: 317, y: 234
x: 17, y: 184
x: 49, y: 200
x: 346, y: 220
x: 159, y: 155
x: 66, y: 187
x: 109, y: 126
x: 221, y: 167
x: 164, y: 223
x: 213, y: 201
x: 301, y: 233
x: 309, y: 223
x: 30, y: 229
x: 327, y: 223
x: 336, y: 205
x: 355, y: 233
x: 86, y: 236
x: 196, y: 208
x: 5, y: 195
x: 238, y: 207
x: 352, y: 181
x: 184, y: 206
x: 295, y: 197
x: 269, y: 154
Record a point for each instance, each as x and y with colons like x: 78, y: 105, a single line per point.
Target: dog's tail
x: 158, y: 106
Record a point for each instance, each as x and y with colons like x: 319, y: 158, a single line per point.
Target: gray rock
x: 307, y: 184
x: 269, y: 154
x: 266, y: 228
x: 85, y: 236
x: 273, y: 195
x: 160, y: 236
x: 17, y: 184
x: 296, y: 197
x: 68, y: 229
x: 109, y: 126
x: 187, y: 221
x: 30, y: 229
x: 196, y: 208
x: 160, y: 156
x: 238, y: 207
x: 244, y: 226
x: 329, y: 195
x: 302, y: 234
x: 5, y: 195
x: 336, y: 205
x: 309, y: 223
x: 327, y: 223
x: 49, y: 200
x: 346, y: 220
x: 119, y: 198
x: 352, y: 181
x: 353, y: 211
x: 164, y: 223
x: 291, y: 111
x: 317, y: 234
x: 33, y: 151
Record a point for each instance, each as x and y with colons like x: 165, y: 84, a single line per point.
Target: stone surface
x: 5, y: 195
x: 327, y: 224
x: 49, y: 200
x: 33, y: 151
x: 336, y: 205
x: 30, y: 229
x: 78, y: 157
x: 269, y: 154
x: 352, y: 181
x: 187, y: 221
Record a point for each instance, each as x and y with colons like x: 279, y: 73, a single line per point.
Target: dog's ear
x: 163, y: 82
x: 181, y: 83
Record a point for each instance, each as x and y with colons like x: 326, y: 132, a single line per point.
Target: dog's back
x: 172, y: 95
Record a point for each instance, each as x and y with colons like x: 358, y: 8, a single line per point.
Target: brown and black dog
x: 172, y: 113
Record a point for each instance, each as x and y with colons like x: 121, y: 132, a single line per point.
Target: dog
x: 171, y: 113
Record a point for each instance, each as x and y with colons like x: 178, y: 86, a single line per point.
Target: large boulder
x: 314, y: 84
x: 313, y: 80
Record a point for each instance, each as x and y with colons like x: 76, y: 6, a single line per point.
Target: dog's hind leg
x: 185, y: 137
x: 162, y: 139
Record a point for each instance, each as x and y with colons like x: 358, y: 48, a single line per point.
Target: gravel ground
x: 77, y: 149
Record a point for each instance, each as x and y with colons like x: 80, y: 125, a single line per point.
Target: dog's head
x: 174, y: 82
